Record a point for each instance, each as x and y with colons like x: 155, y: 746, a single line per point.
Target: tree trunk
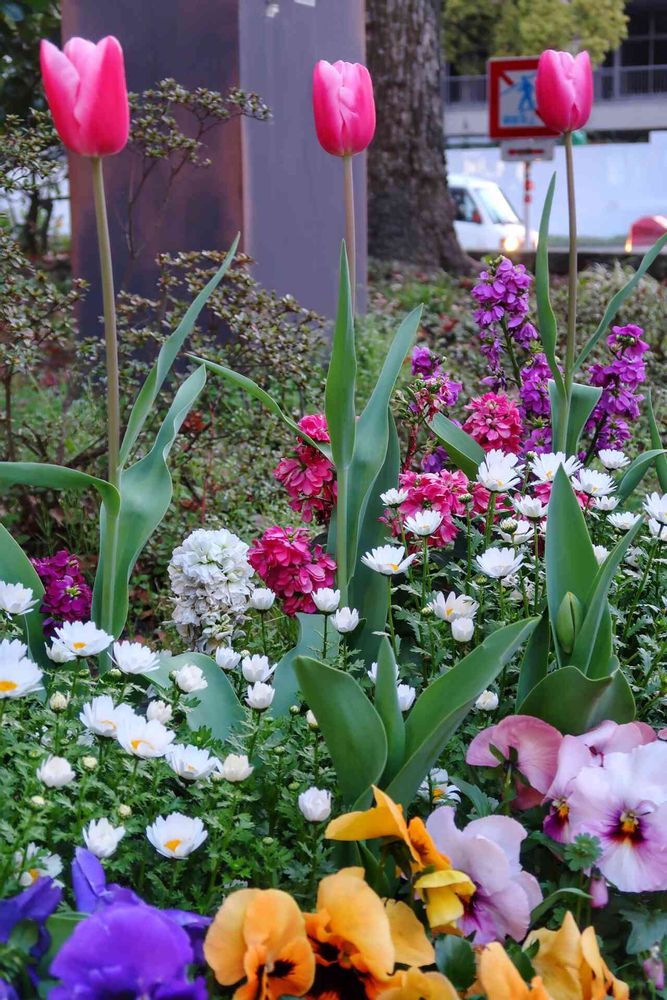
x: 410, y: 211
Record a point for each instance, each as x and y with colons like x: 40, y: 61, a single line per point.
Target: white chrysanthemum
x: 345, y: 620
x: 19, y: 678
x: 522, y: 532
x: 499, y: 471
x: 12, y: 650
x: 83, y: 638
x: 600, y: 553
x: 624, y: 520
x: 176, y: 836
x: 438, y: 780
x: 656, y: 507
x: 36, y: 862
x: 256, y: 668
x: 59, y: 653
x: 102, y: 717
x: 605, y: 503
x: 373, y: 672
x: 16, y: 599
x: 262, y: 599
x: 423, y: 523
x: 160, y: 710
x: 594, y: 483
x: 450, y: 608
x: 657, y: 529
x: 235, y: 767
x: 315, y: 804
x: 545, y: 467
x: 102, y: 838
x: 498, y: 563
x: 191, y: 762
x: 55, y: 772
x: 388, y: 559
x: 260, y: 696
x: 611, y: 458
x: 487, y: 701
x: 326, y: 600
x: 406, y: 695
x: 463, y: 629
x: 531, y: 508
x: 394, y: 498
x: 190, y: 678
x: 211, y: 581
x: 135, y: 658
x: 227, y: 658
x: 144, y: 738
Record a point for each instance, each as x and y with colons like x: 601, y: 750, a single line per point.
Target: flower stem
x: 324, y: 637
x: 263, y: 629
x: 341, y: 535
x: 390, y: 618
x: 113, y: 391
x: 350, y: 232
x: 489, y: 517
x: 570, y: 346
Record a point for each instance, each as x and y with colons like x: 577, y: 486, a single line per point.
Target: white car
x: 485, y: 222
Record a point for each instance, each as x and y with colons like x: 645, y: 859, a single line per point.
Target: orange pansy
x: 417, y: 985
x: 499, y: 978
x: 571, y: 966
x: 260, y: 935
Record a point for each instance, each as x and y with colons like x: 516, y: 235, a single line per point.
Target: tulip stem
x: 350, y: 231
x: 571, y: 288
x: 113, y: 391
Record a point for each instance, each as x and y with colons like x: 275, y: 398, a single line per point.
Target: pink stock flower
x: 308, y: 476
x: 531, y: 747
x: 624, y: 804
x: 494, y: 422
x: 564, y: 90
x: 343, y: 107
x: 86, y: 92
x: 488, y: 851
x: 291, y: 567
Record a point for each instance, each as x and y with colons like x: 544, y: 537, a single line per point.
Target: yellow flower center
x: 628, y: 823
x: 137, y: 743
x: 33, y: 873
x: 8, y: 686
x: 78, y: 645
x: 563, y: 810
x: 394, y: 566
x: 171, y: 845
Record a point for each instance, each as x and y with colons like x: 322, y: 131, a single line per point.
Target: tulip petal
x: 61, y: 85
x: 102, y: 107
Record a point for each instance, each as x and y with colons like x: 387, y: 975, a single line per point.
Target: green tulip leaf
x: 535, y: 662
x: 57, y: 477
x: 574, y: 703
x: 582, y: 404
x: 386, y: 703
x: 661, y: 461
x: 340, y: 391
x: 545, y: 313
x: 462, y: 449
x: 309, y: 643
x: 17, y: 568
x: 219, y: 709
x: 350, y: 725
x: 636, y: 471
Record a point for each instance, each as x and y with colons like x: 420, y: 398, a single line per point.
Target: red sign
x: 512, y: 105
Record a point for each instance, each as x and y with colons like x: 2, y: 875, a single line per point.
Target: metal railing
x: 610, y: 84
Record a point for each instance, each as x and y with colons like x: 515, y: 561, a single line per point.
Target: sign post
x: 513, y: 116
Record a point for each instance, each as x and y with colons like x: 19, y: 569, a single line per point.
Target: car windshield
x: 496, y: 205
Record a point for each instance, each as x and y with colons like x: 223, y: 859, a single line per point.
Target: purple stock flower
x: 502, y: 295
x: 424, y: 362
x: 67, y: 597
x: 534, y: 391
x: 627, y: 340
x: 619, y: 380
x: 435, y: 461
x: 126, y: 951
x: 488, y: 851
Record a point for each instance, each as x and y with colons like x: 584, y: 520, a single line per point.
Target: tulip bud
x: 564, y: 90
x: 568, y: 621
x: 86, y: 92
x: 343, y: 107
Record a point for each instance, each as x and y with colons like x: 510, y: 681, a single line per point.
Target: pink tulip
x: 85, y: 88
x: 343, y: 106
x: 564, y: 90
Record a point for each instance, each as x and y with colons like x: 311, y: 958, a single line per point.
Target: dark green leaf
x: 636, y: 471
x: 535, y: 662
x: 582, y: 403
x: 386, y: 703
x: 285, y: 683
x: 455, y: 959
x: 57, y: 477
x: 660, y: 462
x: 574, y: 703
x: 219, y: 709
x: 341, y: 379
x: 462, y: 449
x: 17, y: 568
x: 550, y: 901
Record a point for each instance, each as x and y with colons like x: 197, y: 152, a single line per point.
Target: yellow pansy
x: 571, y: 966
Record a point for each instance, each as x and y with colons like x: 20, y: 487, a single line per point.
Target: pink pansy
x: 488, y: 851
x: 624, y: 804
x: 588, y: 750
x: 530, y: 744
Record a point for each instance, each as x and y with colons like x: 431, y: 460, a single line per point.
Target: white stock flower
x: 16, y: 599
x: 101, y: 838
x: 394, y: 498
x: 594, y: 483
x: 102, y: 717
x: 36, y: 862
x: 262, y: 599
x: 235, y: 767
x: 159, y: 710
x: 423, y: 523
x: 657, y: 529
x: 521, y: 534
x: 388, y: 559
x: 656, y: 506
x: 176, y: 836
x: 227, y: 658
x: 487, y: 701
x: 600, y: 553
x: 544, y: 467
x: 19, y: 678
x: 58, y: 652
x: 83, y: 638
x: 190, y: 678
x: 143, y: 737
x: 191, y: 763
x: 259, y: 696
x: 499, y: 471
x: 605, y: 503
x: 531, y: 508
x: 315, y: 804
x: 326, y: 600
x: 406, y: 696
x: 134, y: 658
x: 345, y: 620
x: 463, y: 629
x: 623, y: 521
x: 256, y: 668
x: 611, y: 458
x: 449, y: 608
x: 498, y: 563
x: 55, y: 772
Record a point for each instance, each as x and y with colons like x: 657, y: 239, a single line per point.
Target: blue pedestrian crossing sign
x: 512, y: 106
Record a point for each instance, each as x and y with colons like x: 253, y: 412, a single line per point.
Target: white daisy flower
x: 326, y: 600
x: 101, y: 838
x: 36, y: 862
x: 388, y: 559
x: 257, y: 668
x: 594, y: 483
x: 487, y: 701
x: 624, y: 520
x: 260, y: 696
x: 102, y: 717
x: 83, y: 638
x: 135, y: 658
x: 394, y: 498
x: 657, y: 529
x: 190, y: 678
x: 262, y: 599
x: 235, y: 767
x: 498, y: 563
x: 499, y: 471
x: 315, y: 804
x: 463, y: 629
x: 531, y: 508
x: 611, y: 458
x: 605, y: 503
x: 656, y: 507
x: 227, y: 658
x: 55, y: 772
x: 191, y: 763
x: 19, y: 678
x: 423, y: 523
x: 406, y: 696
x: 600, y: 553
x: 176, y: 836
x: 143, y: 737
x: 345, y: 620
x: 15, y: 599
x: 545, y: 467
x: 450, y: 608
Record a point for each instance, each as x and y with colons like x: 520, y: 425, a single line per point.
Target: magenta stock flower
x: 488, y: 851
x: 67, y: 597
x: 439, y: 491
x: 494, y: 422
x: 530, y: 745
x: 291, y: 566
x: 308, y: 475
